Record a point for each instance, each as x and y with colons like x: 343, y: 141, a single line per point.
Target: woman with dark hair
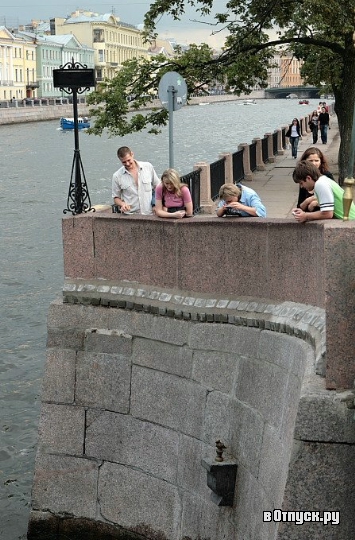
x: 313, y: 125
x: 306, y: 200
x: 294, y: 135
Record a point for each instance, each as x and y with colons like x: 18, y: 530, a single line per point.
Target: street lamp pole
x: 74, y: 78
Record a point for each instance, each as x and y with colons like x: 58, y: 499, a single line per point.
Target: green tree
x: 320, y: 32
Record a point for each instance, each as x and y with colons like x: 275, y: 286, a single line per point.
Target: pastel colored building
x: 112, y: 40
x: 53, y: 52
x: 18, y: 77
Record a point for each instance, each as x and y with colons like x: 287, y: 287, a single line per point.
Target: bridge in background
x: 300, y: 91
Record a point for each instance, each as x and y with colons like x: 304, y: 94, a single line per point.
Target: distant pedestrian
x: 314, y: 126
x: 294, y: 135
x: 323, y: 121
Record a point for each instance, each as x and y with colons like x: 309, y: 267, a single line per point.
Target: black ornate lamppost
x: 74, y: 78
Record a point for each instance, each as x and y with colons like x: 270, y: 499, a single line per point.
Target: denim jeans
x: 324, y: 133
x: 294, y: 145
x: 315, y: 134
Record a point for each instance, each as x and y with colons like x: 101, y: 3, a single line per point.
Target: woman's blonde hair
x: 172, y: 176
x: 229, y: 190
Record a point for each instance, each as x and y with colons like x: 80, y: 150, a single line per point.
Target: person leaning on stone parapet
x: 306, y: 200
x: 328, y: 193
x: 133, y: 184
x: 172, y: 198
x: 239, y: 200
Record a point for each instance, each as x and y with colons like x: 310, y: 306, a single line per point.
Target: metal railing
x: 217, y: 172
x: 238, y: 166
x: 193, y: 182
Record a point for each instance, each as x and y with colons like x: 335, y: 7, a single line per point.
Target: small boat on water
x: 68, y: 123
x: 303, y: 102
x: 249, y: 102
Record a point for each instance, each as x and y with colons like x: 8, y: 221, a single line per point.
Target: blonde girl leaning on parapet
x: 172, y: 198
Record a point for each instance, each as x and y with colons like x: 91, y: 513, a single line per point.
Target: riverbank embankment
x: 39, y: 113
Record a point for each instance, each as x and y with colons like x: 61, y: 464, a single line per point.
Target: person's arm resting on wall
x: 255, y: 207
x: 117, y: 193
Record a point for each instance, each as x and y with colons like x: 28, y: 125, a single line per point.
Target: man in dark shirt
x: 323, y: 120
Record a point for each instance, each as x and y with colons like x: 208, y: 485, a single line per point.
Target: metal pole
x: 77, y: 172
x: 171, y: 92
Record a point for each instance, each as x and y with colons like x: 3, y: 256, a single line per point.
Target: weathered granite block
x: 191, y: 476
x: 274, y: 463
x: 284, y: 252
x: 134, y: 500
x: 239, y: 427
x: 285, y: 351
x: 250, y: 502
x: 122, y: 439
x: 114, y: 341
x: 162, y: 356
x: 175, y: 402
x: 321, y: 476
x: 339, y: 252
x: 61, y: 429
x: 286, y: 428
x: 150, y: 326
x: 217, y: 370
x: 325, y: 416
x: 65, y: 485
x: 203, y: 519
x: 59, y: 376
x: 62, y: 315
x: 226, y: 338
x: 79, y: 252
x: 103, y: 381
x: 70, y: 338
x: 262, y: 386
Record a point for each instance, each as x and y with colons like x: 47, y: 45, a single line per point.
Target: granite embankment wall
x: 159, y: 349
x: 13, y: 115
x: 37, y: 113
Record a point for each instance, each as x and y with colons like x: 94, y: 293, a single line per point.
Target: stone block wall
x: 205, y: 330
x: 131, y: 404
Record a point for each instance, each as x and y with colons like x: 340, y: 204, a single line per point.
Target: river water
x: 35, y: 167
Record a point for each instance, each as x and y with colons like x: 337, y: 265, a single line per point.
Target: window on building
x: 98, y: 35
x: 101, y: 55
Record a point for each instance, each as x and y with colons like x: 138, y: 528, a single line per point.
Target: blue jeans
x: 294, y: 145
x: 324, y: 133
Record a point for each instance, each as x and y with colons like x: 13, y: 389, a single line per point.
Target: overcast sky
x: 14, y: 12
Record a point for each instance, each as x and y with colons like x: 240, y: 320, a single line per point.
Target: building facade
x: 113, y: 41
x: 56, y: 51
x: 18, y: 74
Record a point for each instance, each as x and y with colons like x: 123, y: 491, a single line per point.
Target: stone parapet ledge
x: 302, y: 321
x: 258, y: 258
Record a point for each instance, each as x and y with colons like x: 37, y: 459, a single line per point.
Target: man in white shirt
x: 133, y: 184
